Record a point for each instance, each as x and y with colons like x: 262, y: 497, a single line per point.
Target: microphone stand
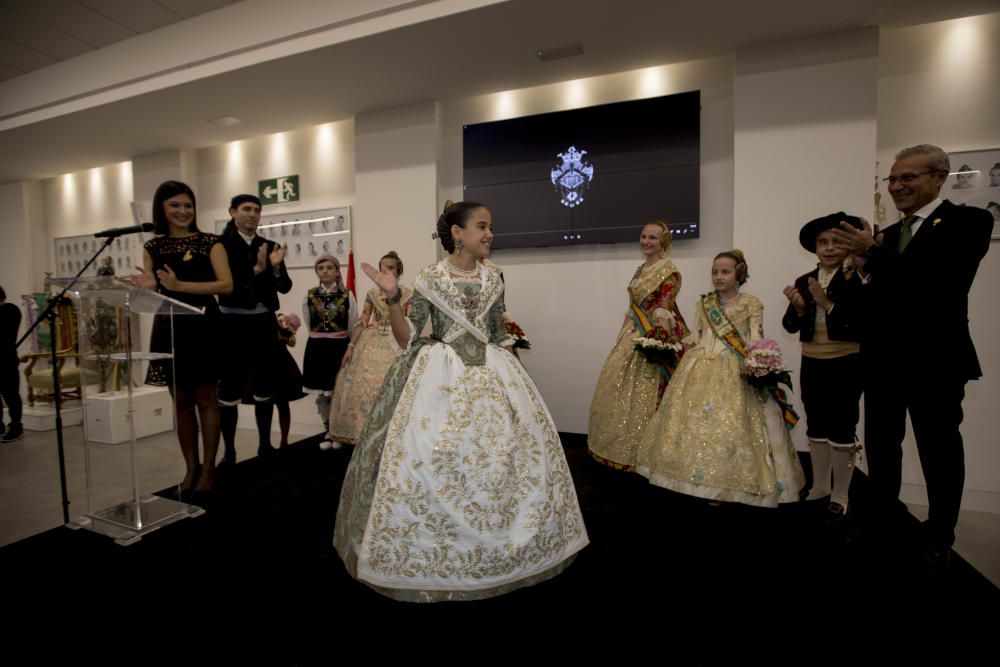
x: 50, y: 314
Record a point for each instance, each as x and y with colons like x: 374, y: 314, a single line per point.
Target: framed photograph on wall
x: 975, y: 180
x: 308, y: 234
x: 72, y: 252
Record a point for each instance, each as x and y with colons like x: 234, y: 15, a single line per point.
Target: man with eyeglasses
x: 917, y: 351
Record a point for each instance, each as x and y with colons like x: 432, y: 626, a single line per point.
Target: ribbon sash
x: 644, y: 325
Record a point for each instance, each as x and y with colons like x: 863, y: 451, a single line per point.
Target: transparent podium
x: 117, y: 412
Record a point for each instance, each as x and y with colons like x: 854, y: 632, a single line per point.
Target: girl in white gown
x: 458, y: 488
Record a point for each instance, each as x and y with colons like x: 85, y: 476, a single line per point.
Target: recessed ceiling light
x: 225, y: 121
x: 557, y: 52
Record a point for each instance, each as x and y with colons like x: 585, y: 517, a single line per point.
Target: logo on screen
x: 572, y: 177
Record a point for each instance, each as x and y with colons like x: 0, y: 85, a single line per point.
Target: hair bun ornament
x: 434, y: 235
x: 447, y: 204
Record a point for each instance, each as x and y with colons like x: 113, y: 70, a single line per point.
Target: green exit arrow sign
x: 278, y: 190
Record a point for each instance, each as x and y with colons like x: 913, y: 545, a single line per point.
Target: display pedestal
x: 107, y: 414
x: 43, y: 417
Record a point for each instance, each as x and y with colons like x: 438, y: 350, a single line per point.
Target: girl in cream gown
x: 458, y: 488
x: 369, y: 356
x: 713, y: 436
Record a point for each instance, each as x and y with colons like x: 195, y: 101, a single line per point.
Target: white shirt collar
x: 926, y: 210
x: 248, y: 239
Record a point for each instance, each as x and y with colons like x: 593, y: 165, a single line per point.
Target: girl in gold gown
x: 629, y: 387
x: 713, y: 436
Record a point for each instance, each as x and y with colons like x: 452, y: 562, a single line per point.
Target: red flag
x: 350, y: 273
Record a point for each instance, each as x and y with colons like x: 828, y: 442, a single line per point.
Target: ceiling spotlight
x: 557, y: 52
x: 225, y: 121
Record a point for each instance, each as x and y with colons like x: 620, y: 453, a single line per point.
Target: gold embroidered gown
x: 713, y: 436
x: 359, y: 381
x: 629, y: 387
x: 458, y: 488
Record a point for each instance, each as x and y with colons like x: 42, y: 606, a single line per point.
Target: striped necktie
x: 906, y: 232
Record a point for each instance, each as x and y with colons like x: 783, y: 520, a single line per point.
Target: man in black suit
x: 917, y: 350
x: 248, y: 322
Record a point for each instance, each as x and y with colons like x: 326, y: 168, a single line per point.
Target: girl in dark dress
x: 191, y: 266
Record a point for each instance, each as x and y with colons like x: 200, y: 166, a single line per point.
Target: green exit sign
x: 278, y: 190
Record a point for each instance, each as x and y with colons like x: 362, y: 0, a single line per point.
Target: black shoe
x: 265, y: 450
x: 228, y: 459
x: 14, y: 433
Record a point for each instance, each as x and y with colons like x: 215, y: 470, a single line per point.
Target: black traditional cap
x: 813, y: 228
x: 239, y: 199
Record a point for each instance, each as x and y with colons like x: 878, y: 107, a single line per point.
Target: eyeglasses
x: 906, y: 178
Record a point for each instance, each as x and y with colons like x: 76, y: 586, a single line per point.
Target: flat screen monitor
x: 591, y: 175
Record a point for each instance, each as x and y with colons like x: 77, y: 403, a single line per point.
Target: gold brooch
x: 187, y: 256
x: 936, y: 221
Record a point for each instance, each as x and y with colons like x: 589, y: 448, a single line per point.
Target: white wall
x: 804, y: 147
x: 571, y: 301
x: 86, y: 202
x: 397, y: 184
x: 938, y: 84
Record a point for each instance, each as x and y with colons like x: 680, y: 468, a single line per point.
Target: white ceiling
x: 480, y: 51
x: 37, y: 33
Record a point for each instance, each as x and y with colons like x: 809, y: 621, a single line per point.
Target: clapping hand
x: 819, y: 294
x: 144, y: 279
x: 855, y: 241
x: 261, y: 260
x: 168, y: 278
x: 795, y: 298
x: 278, y: 255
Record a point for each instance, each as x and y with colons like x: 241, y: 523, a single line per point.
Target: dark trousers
x: 248, y: 358
x: 831, y: 395
x: 10, y: 391
x: 935, y: 409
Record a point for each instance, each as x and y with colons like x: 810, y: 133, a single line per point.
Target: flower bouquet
x: 659, y: 346
x: 763, y: 367
x: 287, y: 326
x: 516, y: 333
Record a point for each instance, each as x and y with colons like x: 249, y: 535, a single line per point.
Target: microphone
x: 122, y: 231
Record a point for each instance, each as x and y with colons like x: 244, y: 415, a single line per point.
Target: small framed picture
x: 308, y: 234
x: 119, y: 258
x: 975, y: 180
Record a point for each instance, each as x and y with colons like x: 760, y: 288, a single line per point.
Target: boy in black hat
x: 825, y: 309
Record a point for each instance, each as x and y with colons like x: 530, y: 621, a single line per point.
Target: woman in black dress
x: 191, y: 266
